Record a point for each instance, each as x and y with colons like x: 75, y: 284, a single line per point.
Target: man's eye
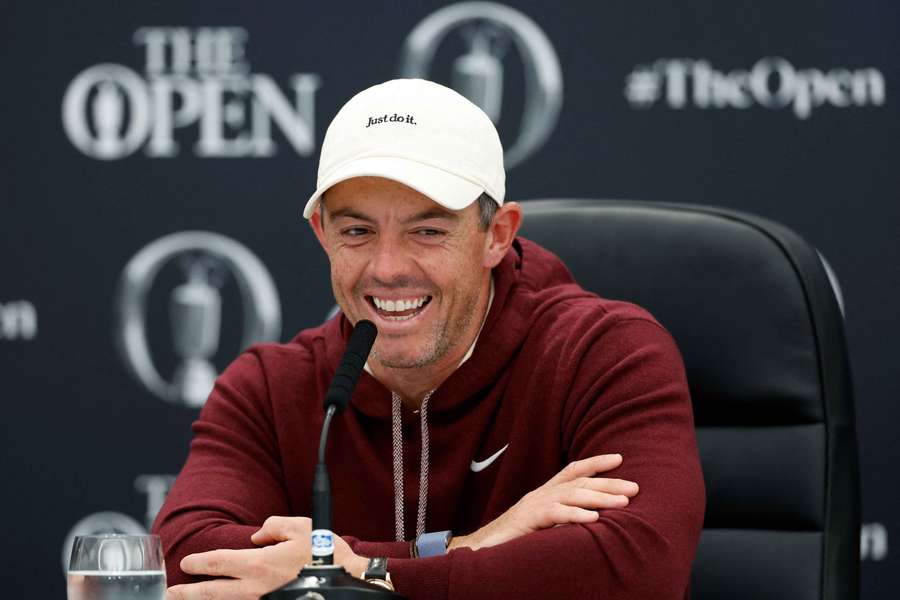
x: 429, y: 232
x: 354, y: 231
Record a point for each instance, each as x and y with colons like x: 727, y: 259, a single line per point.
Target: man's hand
x: 243, y: 574
x: 573, y: 495
x: 284, y: 529
x: 248, y: 574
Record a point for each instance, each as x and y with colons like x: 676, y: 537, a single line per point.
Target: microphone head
x: 358, y: 347
x: 366, y: 331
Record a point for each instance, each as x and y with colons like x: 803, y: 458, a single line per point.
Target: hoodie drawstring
x: 397, y: 433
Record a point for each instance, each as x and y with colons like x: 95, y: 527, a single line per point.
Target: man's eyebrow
x: 351, y: 214
x: 432, y: 213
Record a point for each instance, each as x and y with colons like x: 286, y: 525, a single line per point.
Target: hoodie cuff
x: 421, y: 577
x: 378, y: 549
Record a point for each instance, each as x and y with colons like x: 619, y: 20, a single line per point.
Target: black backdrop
x: 126, y: 123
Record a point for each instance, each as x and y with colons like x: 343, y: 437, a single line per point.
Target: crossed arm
x: 574, y: 495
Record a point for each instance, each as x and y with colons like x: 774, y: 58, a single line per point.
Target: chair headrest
x: 747, y: 300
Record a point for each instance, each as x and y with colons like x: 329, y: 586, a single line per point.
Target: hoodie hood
x: 529, y: 273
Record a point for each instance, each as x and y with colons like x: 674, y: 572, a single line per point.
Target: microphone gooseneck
x: 322, y: 536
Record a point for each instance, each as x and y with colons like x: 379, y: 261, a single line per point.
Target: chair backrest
x: 756, y: 319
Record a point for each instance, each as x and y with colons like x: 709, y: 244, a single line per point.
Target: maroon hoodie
x: 557, y: 375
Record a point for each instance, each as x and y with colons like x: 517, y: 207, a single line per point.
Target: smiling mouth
x: 398, y: 309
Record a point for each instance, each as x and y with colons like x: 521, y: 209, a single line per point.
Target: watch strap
x: 377, y: 569
x: 376, y: 574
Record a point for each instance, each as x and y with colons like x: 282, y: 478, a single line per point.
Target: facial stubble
x: 444, y: 337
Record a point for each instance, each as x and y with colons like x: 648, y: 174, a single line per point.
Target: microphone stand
x: 322, y: 579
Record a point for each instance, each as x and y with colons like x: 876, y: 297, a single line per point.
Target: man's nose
x: 390, y: 262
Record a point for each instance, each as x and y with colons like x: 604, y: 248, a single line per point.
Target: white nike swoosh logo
x: 481, y: 465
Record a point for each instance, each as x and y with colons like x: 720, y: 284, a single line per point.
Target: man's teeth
x: 398, y: 305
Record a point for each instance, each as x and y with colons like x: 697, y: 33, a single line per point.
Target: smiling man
x: 494, y: 446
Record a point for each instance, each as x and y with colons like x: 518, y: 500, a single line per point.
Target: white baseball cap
x: 419, y: 133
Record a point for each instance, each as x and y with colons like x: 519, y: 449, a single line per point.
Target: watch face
x: 381, y: 583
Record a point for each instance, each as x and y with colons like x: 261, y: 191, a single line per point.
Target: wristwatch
x: 432, y: 544
x: 377, y: 574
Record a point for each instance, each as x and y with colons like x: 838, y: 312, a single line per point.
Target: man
x: 496, y: 393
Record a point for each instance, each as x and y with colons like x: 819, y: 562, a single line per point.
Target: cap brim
x: 448, y: 190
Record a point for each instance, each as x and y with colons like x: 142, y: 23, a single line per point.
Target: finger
x: 584, y: 498
x: 281, y: 529
x: 232, y: 589
x: 587, y: 467
x: 274, y: 529
x: 176, y: 592
x: 621, y: 487
x: 561, y: 514
x: 218, y: 563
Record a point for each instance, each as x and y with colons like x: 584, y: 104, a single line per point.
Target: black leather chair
x: 756, y: 318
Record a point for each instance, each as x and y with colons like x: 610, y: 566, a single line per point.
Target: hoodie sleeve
x: 232, y: 480
x: 628, y: 394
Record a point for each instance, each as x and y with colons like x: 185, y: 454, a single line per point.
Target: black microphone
x: 347, y: 374
x: 336, y: 399
x: 322, y: 579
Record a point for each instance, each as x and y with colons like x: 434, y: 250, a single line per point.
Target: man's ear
x: 501, y: 233
x: 315, y: 221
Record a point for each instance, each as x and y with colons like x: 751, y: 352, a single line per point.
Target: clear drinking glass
x: 117, y: 567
